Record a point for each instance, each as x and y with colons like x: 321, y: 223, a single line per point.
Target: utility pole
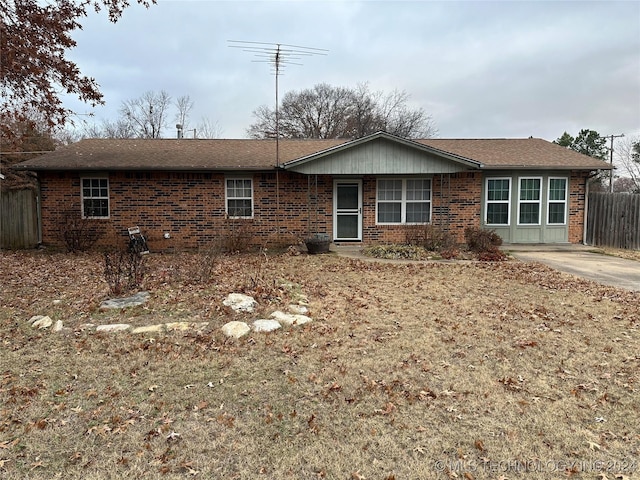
x: 611, y: 161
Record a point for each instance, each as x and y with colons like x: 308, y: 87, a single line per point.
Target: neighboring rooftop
x: 248, y: 154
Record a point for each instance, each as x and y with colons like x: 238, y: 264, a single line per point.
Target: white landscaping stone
x: 40, y: 321
x: 58, y: 326
x: 149, y: 328
x: 263, y: 325
x: 179, y: 326
x: 240, y: 302
x: 290, y: 319
x: 298, y: 309
x: 115, y: 327
x: 235, y: 329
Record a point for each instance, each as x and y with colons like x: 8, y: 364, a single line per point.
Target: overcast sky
x: 481, y: 69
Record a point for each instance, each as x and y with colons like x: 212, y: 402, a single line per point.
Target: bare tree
x: 147, y: 115
x: 625, y: 185
x: 120, y: 128
x: 208, y: 129
x: 31, y: 136
x: 184, y: 105
x: 337, y: 112
x: 627, y: 153
x: 34, y: 39
x: 394, y: 116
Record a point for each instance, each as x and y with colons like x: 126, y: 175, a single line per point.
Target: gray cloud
x: 482, y: 69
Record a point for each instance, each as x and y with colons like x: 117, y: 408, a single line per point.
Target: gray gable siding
x: 379, y: 157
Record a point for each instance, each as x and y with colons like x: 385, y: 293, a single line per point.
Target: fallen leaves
x: 476, y: 358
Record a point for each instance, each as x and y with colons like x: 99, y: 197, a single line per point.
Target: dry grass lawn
x: 408, y: 371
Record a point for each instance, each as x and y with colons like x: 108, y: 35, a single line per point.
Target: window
x: 529, y: 201
x: 239, y: 197
x: 404, y: 200
x: 557, y: 201
x: 95, y: 197
x: 498, y: 201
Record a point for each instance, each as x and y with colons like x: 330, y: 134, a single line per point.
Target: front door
x: 347, y: 215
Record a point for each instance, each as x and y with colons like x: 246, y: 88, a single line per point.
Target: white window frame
x: 530, y: 202
x: 487, y: 202
x: 549, y: 201
x: 227, y: 198
x: 403, y: 201
x: 99, y: 197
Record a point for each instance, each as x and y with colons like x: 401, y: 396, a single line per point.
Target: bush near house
x: 484, y: 243
x: 429, y: 241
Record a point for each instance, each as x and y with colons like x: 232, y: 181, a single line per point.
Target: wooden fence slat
x: 613, y: 220
x: 18, y: 219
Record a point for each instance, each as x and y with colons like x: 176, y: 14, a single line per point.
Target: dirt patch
x: 434, y: 370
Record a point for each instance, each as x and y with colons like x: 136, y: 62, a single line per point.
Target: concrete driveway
x: 581, y: 261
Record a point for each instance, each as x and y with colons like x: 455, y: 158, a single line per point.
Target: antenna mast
x: 278, y: 55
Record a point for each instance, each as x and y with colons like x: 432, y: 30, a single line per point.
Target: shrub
x: 484, y: 243
x: 236, y: 236
x: 123, y: 270
x: 397, y: 252
x: 430, y: 237
x: 481, y: 240
x: 79, y: 234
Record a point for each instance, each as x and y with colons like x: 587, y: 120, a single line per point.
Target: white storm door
x: 347, y: 215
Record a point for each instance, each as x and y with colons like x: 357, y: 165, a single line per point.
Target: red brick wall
x: 577, y: 184
x: 455, y: 203
x: 191, y: 207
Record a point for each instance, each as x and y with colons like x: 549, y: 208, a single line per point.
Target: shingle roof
x: 193, y: 154
x: 517, y: 153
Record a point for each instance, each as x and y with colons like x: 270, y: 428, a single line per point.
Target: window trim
x: 107, y: 198
x: 565, y: 201
x: 403, y: 201
x: 227, y: 198
x: 538, y: 202
x: 487, y: 202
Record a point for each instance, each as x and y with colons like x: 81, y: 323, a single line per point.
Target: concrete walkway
x: 582, y: 261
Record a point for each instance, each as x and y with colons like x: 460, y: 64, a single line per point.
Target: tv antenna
x: 279, y: 56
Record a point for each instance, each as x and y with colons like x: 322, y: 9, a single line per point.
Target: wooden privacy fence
x: 613, y: 220
x: 18, y: 219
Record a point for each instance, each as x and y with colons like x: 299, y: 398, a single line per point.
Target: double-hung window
x: 529, y: 201
x: 95, y: 197
x: 239, y: 193
x: 498, y: 201
x: 557, y: 201
x: 404, y: 200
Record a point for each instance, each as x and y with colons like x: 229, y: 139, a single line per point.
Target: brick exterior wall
x: 190, y: 207
x: 455, y: 205
x: 577, y: 194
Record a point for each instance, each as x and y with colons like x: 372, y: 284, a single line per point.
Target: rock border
x: 235, y: 329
